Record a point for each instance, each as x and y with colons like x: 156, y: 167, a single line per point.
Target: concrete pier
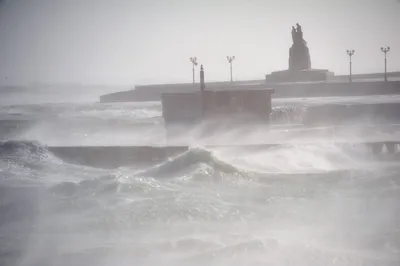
x: 334, y: 87
x: 364, y: 113
x: 109, y: 157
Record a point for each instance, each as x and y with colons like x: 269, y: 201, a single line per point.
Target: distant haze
x: 126, y: 42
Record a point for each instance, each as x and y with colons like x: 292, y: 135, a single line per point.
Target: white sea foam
x: 314, y: 204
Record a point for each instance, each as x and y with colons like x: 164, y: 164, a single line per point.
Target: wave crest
x: 195, y: 156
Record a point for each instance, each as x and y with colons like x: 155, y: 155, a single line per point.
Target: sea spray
x: 317, y: 204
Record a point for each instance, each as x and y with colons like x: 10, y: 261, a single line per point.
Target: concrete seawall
x: 362, y: 113
x: 153, y: 92
x: 117, y: 156
x: 329, y: 89
x: 339, y: 86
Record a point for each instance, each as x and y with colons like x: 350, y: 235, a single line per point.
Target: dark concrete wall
x: 338, y: 114
x: 178, y: 107
x: 368, y: 76
x: 327, y: 89
x: 153, y: 92
x: 340, y: 87
x: 321, y: 89
x: 187, y: 87
x: 115, y: 156
x: 189, y: 108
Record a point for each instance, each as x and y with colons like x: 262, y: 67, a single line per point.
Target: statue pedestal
x: 307, y: 75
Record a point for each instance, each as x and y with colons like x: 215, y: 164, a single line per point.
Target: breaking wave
x: 240, y: 160
x: 292, y: 204
x: 201, y: 206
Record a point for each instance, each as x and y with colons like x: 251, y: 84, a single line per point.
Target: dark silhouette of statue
x: 299, y: 54
x: 299, y: 63
x: 293, y: 34
x: 299, y: 32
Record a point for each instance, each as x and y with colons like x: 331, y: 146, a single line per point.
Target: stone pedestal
x: 308, y: 75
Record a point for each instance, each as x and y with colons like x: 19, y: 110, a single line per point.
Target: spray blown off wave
x: 287, y: 114
x: 318, y: 204
x: 285, y: 158
x: 201, y: 206
x: 83, y: 124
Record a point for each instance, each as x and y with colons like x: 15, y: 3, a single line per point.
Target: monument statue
x: 299, y: 63
x: 299, y: 54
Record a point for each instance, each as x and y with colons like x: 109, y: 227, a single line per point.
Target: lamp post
x: 194, y: 64
x: 385, y: 50
x: 202, y: 88
x: 230, y: 59
x: 350, y: 53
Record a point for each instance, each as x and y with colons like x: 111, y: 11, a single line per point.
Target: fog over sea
x: 314, y: 204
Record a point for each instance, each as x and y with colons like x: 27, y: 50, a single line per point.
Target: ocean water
x: 310, y: 204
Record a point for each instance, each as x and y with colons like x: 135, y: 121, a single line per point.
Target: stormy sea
x: 309, y: 204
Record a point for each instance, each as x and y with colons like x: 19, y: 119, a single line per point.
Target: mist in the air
x: 136, y: 42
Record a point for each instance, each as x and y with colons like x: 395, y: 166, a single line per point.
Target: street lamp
x: 350, y: 53
x: 194, y: 64
x: 385, y: 50
x: 230, y: 59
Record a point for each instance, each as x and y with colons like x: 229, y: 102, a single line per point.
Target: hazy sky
x: 149, y: 41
